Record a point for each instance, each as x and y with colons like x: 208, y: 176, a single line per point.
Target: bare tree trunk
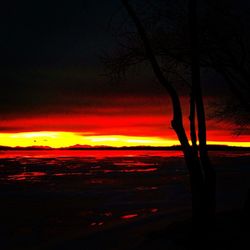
x: 192, y: 119
x: 209, y: 173
x: 192, y: 162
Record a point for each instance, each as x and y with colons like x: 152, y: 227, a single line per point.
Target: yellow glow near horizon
x: 66, y: 139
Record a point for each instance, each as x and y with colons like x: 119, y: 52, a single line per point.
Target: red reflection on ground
x: 128, y: 216
x: 154, y: 210
x: 97, y: 154
x: 26, y: 175
x: 133, y: 164
x: 66, y: 174
x: 139, y: 170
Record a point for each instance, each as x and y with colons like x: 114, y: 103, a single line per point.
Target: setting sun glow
x: 65, y: 139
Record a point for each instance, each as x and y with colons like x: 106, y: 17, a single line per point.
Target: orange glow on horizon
x: 56, y: 139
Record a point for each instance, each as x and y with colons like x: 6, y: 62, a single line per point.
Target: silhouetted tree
x: 226, y: 50
x: 224, y: 47
x: 177, y: 46
x: 209, y: 173
x: 202, y: 177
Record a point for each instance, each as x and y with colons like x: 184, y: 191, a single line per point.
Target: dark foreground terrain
x: 115, y: 200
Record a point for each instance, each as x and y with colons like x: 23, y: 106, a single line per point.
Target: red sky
x: 131, y: 117
x: 53, y: 79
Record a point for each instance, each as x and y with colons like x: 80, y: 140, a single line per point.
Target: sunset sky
x: 54, y: 92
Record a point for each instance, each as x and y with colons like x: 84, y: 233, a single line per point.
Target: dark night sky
x: 50, y: 54
x: 50, y: 67
x: 54, y: 33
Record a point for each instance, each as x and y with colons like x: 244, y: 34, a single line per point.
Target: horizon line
x: 105, y: 147
x: 57, y: 139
